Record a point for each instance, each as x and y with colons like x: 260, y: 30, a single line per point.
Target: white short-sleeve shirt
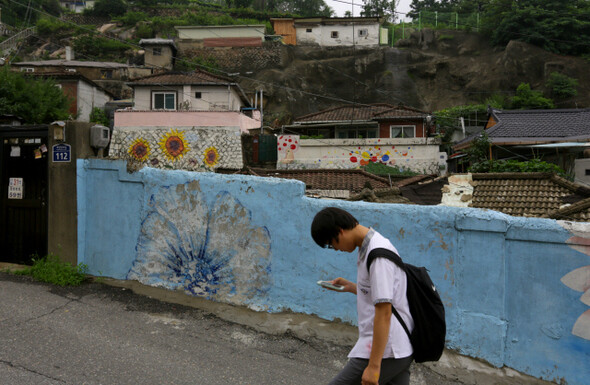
x: 385, y: 283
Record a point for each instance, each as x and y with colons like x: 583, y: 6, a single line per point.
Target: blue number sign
x: 62, y: 152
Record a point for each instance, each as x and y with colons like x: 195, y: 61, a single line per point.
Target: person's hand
x: 349, y: 287
x: 370, y: 376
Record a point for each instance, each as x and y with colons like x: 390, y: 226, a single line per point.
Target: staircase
x: 11, y: 43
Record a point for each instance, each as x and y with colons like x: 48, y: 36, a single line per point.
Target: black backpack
x: 426, y: 308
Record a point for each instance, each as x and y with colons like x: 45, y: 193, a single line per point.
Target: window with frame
x: 363, y: 32
x: 403, y: 131
x: 198, y: 95
x: 27, y: 69
x: 164, y: 101
x: 157, y: 51
x: 334, y: 34
x: 308, y: 30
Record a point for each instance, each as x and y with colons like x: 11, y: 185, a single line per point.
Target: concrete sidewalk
x: 452, y: 366
x: 316, y: 335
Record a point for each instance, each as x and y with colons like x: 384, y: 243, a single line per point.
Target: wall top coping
x: 369, y: 142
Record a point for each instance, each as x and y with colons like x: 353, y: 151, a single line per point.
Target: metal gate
x: 267, y: 148
x: 23, y: 193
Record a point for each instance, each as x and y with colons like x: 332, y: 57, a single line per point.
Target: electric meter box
x: 99, y: 136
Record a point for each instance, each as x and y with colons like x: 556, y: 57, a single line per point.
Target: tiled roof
x: 182, y: 78
x: 361, y: 113
x: 536, y: 126
x: 326, y: 179
x: 578, y: 212
x: 525, y: 194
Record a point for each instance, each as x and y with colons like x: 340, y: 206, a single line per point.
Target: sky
x: 345, y: 5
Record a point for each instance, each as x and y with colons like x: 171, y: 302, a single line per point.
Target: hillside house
x: 220, y: 36
x: 330, y: 32
x: 354, y: 135
x: 559, y: 136
x: 189, y: 91
x: 184, y: 120
x: 379, y: 120
x: 83, y: 93
x: 77, y: 6
x: 160, y: 54
x: 89, y: 69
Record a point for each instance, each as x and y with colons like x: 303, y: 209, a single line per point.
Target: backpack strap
x: 393, y: 257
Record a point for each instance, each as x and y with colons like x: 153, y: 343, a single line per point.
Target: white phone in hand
x: 330, y: 285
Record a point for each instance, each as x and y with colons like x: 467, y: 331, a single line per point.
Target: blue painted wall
x: 246, y: 241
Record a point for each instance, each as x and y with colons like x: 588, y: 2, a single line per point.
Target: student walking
x: 383, y: 352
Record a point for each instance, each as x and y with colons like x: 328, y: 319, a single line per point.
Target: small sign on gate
x: 62, y: 152
x: 15, y: 188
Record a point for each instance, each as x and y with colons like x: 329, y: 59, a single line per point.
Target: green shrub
x: 98, y: 115
x: 51, y: 270
x: 512, y: 165
x: 562, y: 86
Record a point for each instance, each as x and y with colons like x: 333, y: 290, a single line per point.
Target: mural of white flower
x: 211, y: 252
x: 579, y: 279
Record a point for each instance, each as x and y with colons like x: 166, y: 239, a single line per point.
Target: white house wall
x: 322, y: 35
x: 418, y: 155
x: 89, y: 97
x: 213, y: 98
x: 212, y: 32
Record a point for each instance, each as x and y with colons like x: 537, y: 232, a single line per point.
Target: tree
x: 35, y: 100
x: 554, y: 25
x: 562, y: 86
x: 380, y: 8
x: 108, y: 8
x: 526, y: 98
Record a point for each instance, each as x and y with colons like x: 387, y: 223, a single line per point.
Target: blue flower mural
x: 211, y: 252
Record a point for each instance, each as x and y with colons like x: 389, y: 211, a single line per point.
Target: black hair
x: 328, y: 222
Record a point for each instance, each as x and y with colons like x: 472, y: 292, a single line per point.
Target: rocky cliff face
x: 429, y: 70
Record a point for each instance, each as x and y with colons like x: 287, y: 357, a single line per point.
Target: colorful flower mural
x: 211, y: 156
x: 214, y: 252
x: 139, y: 149
x: 174, y: 145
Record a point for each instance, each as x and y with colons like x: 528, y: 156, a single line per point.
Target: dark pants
x: 393, y: 372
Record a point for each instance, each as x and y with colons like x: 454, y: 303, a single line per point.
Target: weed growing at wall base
x: 50, y: 269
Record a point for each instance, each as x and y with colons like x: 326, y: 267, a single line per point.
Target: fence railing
x: 10, y: 43
x: 425, y: 19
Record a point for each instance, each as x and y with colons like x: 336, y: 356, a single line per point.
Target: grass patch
x: 382, y: 170
x: 51, y: 270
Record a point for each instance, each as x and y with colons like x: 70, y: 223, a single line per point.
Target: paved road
x: 102, y: 334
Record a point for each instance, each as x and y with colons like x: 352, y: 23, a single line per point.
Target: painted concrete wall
x: 516, y: 290
x: 178, y: 147
x: 417, y: 154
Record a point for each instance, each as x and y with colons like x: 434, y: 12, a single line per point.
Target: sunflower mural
x: 174, y: 145
x: 139, y: 149
x: 211, y: 156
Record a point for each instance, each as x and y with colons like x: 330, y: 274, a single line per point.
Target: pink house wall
x: 132, y: 118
